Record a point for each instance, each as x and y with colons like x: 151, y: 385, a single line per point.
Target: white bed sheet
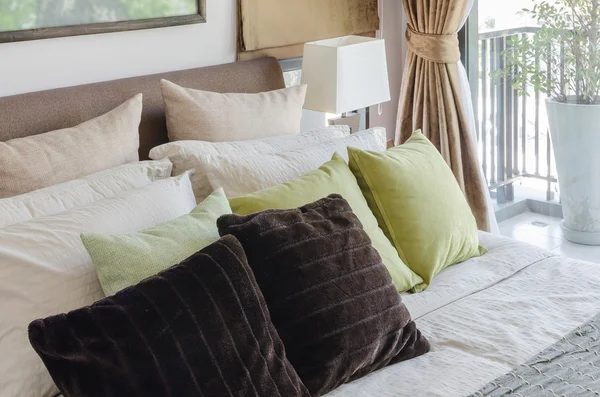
x: 486, y: 316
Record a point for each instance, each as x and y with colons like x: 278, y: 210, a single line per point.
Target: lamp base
x: 352, y: 120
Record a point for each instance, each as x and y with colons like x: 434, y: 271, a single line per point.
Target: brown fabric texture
x: 281, y: 27
x: 200, y: 328
x: 330, y: 297
x: 431, y: 98
x: 438, y: 48
x: 215, y: 117
x: 38, y: 112
x: 285, y: 52
x: 39, y: 161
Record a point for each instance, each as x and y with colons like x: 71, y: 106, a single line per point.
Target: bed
x: 483, y: 317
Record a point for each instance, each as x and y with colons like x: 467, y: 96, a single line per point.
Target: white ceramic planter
x: 575, y: 132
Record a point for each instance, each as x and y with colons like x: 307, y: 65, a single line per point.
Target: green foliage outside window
x: 563, y: 57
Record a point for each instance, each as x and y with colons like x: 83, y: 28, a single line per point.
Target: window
x: 536, y: 84
x: 514, y: 140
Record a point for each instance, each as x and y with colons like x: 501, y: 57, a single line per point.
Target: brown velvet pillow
x: 200, y: 328
x: 330, y: 296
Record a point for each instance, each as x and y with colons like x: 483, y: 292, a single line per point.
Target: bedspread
x: 485, y: 317
x: 570, y: 367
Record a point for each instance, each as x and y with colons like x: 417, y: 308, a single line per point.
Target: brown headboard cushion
x: 38, y: 112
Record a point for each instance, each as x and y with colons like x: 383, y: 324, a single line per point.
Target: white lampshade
x: 345, y: 74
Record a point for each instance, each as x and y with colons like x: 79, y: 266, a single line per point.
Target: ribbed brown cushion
x: 330, y: 297
x: 200, y: 328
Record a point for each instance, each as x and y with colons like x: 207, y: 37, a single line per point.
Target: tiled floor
x: 544, y: 231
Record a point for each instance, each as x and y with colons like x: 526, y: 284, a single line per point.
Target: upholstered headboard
x: 39, y: 112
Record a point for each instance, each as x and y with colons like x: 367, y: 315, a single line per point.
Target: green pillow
x: 332, y: 177
x: 123, y: 260
x: 419, y: 205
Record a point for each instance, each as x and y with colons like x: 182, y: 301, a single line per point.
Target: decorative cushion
x: 80, y: 192
x: 38, y: 161
x: 210, y: 116
x: 45, y: 270
x: 187, y: 155
x: 332, y: 177
x: 123, y: 260
x: 247, y: 174
x: 329, y: 295
x: 200, y: 328
x: 419, y: 205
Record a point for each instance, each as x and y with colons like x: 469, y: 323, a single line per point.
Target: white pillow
x: 243, y: 175
x: 46, y: 270
x: 80, y: 192
x: 186, y: 155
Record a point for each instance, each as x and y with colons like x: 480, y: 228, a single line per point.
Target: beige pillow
x: 38, y: 161
x: 213, y: 117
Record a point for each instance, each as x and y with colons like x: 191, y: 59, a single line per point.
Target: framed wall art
x: 22, y: 20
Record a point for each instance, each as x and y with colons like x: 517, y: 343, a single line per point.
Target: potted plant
x: 562, y: 59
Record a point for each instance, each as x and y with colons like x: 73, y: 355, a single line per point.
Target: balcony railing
x: 514, y: 142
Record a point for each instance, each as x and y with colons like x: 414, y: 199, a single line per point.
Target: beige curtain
x: 280, y: 28
x: 431, y: 97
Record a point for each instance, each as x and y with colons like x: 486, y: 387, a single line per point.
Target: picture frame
x: 104, y: 27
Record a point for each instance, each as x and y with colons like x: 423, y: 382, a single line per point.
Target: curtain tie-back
x: 438, y: 48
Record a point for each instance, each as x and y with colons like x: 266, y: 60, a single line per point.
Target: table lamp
x: 345, y: 74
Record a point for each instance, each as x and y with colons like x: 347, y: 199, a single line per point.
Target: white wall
x: 45, y: 64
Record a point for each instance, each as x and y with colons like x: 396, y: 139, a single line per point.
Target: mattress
x: 486, y: 316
